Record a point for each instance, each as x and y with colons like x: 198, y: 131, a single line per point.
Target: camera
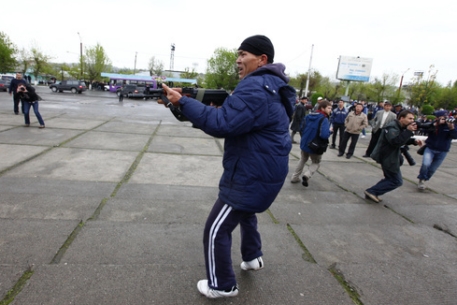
x: 450, y: 119
x: 21, y: 89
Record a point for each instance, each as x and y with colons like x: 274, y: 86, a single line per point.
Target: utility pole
x: 81, y: 54
x: 134, y: 65
x: 401, y: 83
x: 309, y: 71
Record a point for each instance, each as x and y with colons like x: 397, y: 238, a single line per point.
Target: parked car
x: 3, y: 85
x: 131, y: 91
x: 69, y: 85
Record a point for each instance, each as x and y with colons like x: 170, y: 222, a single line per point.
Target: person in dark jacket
x: 339, y: 114
x: 309, y: 132
x: 437, y: 145
x: 387, y: 152
x: 254, y: 120
x: 15, y: 82
x: 299, y: 114
x: 29, y: 99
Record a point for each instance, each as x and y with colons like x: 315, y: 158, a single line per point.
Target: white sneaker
x: 255, y: 264
x: 421, y: 185
x: 213, y: 293
x: 363, y: 137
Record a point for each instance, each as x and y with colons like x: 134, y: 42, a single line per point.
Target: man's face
x: 408, y: 119
x: 358, y: 108
x: 387, y: 107
x: 340, y: 104
x: 247, y: 63
x: 18, y: 76
x: 328, y: 109
x: 304, y: 101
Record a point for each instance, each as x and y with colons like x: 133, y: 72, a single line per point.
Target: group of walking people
x: 23, y: 93
x: 391, y: 132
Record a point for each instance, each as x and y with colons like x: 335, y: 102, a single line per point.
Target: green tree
x: 222, y: 71
x: 7, y: 54
x: 155, y: 67
x: 39, y: 62
x: 97, y: 61
x: 424, y: 91
x: 446, y: 97
x: 189, y: 74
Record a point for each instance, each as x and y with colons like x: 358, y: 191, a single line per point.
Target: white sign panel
x: 354, y: 68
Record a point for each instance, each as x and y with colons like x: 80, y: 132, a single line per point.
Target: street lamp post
x: 81, y: 54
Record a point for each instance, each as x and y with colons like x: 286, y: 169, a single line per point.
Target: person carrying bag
x: 314, y: 141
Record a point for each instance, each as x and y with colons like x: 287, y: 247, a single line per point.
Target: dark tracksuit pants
x: 344, y: 142
x: 16, y: 101
x: 373, y: 141
x: 217, y: 242
x: 337, y: 128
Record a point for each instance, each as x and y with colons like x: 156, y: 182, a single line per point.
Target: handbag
x: 318, y: 145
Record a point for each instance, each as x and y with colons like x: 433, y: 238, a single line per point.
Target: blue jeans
x: 431, y: 160
x: 27, y: 106
x: 391, y: 181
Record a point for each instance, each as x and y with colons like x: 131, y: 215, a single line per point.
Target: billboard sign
x: 354, y: 68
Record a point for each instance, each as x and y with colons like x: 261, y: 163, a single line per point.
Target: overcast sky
x: 398, y: 35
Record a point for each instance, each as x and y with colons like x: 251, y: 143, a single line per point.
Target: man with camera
x: 440, y: 135
x: 29, y: 99
x: 387, y: 152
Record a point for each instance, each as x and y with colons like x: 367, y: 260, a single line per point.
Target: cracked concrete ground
x: 107, y: 205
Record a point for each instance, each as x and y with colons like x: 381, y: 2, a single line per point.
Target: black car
x: 75, y: 86
x: 131, y: 91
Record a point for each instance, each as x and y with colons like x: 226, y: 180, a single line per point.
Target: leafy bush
x: 427, y: 110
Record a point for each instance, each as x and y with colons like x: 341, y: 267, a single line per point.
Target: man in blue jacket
x: 254, y: 121
x: 309, y: 130
x: 437, y: 145
x: 13, y: 91
x: 337, y: 122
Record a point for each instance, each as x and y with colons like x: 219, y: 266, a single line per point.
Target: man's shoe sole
x: 372, y: 197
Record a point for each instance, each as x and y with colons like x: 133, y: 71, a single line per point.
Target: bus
x: 116, y: 81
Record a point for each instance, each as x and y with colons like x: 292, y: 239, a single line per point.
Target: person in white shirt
x: 382, y: 118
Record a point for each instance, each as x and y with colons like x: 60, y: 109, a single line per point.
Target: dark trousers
x: 344, y: 142
x: 391, y: 181
x: 217, y: 242
x: 374, y: 140
x: 337, y: 128
x: 16, y: 101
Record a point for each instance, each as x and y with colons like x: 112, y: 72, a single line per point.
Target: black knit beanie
x: 259, y: 45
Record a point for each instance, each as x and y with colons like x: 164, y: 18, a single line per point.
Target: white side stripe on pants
x: 212, y: 235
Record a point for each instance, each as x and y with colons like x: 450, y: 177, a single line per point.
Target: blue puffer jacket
x: 310, y: 130
x: 254, y: 121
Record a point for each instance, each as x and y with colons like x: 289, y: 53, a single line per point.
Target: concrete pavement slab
x: 186, y: 170
x: 185, y: 145
x: 110, y: 141
x: 376, y: 243
x: 129, y: 126
x: 78, y: 164
x: 176, y: 284
x: 31, y: 241
x: 35, y: 136
x: 398, y: 282
x: 73, y: 123
x: 14, y: 154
